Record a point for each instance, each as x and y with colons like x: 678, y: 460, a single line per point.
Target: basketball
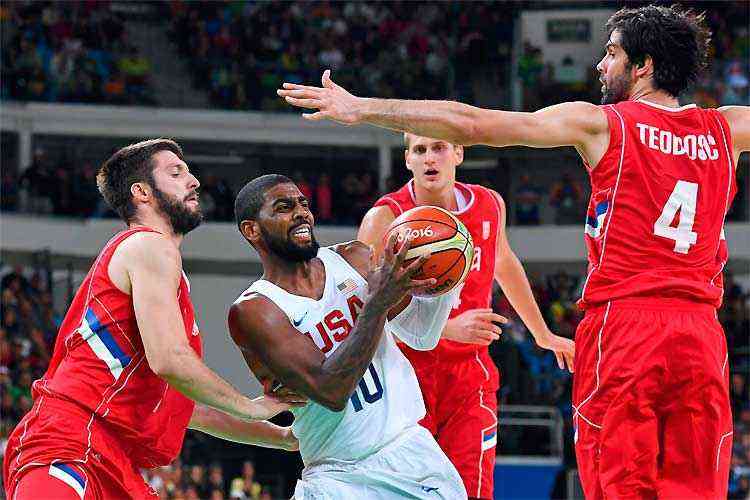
x: 433, y: 229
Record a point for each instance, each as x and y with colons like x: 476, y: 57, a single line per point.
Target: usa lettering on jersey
x: 335, y: 327
x: 697, y: 146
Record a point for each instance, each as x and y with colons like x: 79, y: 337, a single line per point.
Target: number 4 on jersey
x: 683, y: 198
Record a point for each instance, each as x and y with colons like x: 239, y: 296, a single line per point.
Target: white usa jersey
x: 386, y: 401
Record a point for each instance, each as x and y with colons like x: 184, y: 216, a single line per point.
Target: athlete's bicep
x: 373, y: 227
x: 261, y: 329
x: 566, y: 124
x: 154, y: 268
x: 738, y: 118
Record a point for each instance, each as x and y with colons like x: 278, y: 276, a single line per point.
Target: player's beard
x: 618, y: 89
x: 288, y: 249
x: 181, y: 218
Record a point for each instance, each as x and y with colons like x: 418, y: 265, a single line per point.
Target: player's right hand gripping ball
x: 433, y: 229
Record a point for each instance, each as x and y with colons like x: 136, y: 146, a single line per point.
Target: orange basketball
x: 433, y: 229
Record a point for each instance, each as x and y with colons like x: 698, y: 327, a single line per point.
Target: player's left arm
x: 738, y: 118
x: 417, y: 321
x: 511, y: 277
x: 223, y: 426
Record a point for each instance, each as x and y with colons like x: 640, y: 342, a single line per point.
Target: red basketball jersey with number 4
x: 481, y: 216
x: 655, y: 221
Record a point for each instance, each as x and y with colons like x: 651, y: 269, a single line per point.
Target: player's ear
x: 646, y: 68
x: 406, y: 159
x: 458, y: 150
x: 140, y: 191
x: 250, y: 229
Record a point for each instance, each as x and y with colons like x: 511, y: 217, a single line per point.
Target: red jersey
x: 481, y: 216
x: 99, y: 376
x: 659, y: 195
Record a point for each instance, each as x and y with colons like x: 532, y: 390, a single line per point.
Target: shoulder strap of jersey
x: 334, y: 261
x: 615, y: 149
x: 397, y: 201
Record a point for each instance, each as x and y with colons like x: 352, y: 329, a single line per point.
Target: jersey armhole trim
x: 613, y: 126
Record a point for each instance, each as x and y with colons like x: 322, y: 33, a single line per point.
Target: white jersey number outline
x: 684, y: 198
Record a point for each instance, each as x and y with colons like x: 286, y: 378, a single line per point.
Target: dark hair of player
x: 677, y: 41
x: 250, y: 198
x: 131, y: 164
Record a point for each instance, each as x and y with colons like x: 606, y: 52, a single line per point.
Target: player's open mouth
x: 302, y: 232
x: 431, y: 172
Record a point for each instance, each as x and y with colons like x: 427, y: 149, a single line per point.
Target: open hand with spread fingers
x: 391, y: 281
x: 331, y: 101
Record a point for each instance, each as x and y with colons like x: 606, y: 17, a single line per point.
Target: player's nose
x: 193, y: 182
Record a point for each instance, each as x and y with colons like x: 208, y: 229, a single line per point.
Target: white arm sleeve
x: 421, y: 323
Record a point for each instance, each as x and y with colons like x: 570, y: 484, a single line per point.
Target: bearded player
x: 650, y: 396
x: 323, y: 322
x: 458, y: 378
x: 126, y: 377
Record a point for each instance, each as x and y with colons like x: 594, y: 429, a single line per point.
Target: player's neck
x: 300, y: 278
x: 655, y: 96
x: 445, y: 198
x: 159, y: 224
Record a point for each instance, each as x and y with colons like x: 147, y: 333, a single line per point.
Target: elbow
x: 333, y: 396
x: 167, y: 365
x: 427, y: 345
x: 334, y: 401
x: 335, y: 405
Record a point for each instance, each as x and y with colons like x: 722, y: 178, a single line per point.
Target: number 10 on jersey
x: 369, y: 387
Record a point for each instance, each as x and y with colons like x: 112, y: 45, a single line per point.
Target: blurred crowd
x: 388, y: 49
x: 70, y: 52
x: 180, y: 481
x: 28, y: 328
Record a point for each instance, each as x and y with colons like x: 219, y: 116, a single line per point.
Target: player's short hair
x: 250, y: 198
x: 131, y: 164
x: 677, y: 41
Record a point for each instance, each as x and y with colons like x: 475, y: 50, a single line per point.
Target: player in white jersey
x: 321, y: 322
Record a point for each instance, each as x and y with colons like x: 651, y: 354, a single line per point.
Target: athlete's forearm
x: 343, y: 370
x: 187, y: 373
x: 512, y: 278
x: 221, y: 425
x: 448, y: 120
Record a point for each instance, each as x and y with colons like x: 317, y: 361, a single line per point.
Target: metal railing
x: 531, y: 416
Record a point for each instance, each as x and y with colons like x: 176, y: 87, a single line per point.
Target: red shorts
x: 75, y: 481
x: 461, y: 401
x: 651, y: 406
x: 48, y: 456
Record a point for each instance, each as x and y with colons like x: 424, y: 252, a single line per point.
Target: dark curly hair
x: 676, y: 40
x: 131, y: 164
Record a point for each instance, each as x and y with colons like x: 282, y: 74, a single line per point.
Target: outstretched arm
x: 738, y: 118
x: 152, y: 267
x: 578, y: 124
x: 221, y: 425
x: 511, y: 277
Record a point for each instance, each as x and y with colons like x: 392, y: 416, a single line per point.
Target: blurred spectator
x: 528, y: 199
x: 245, y: 486
x: 323, y: 205
x: 566, y: 196
x: 37, y: 185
